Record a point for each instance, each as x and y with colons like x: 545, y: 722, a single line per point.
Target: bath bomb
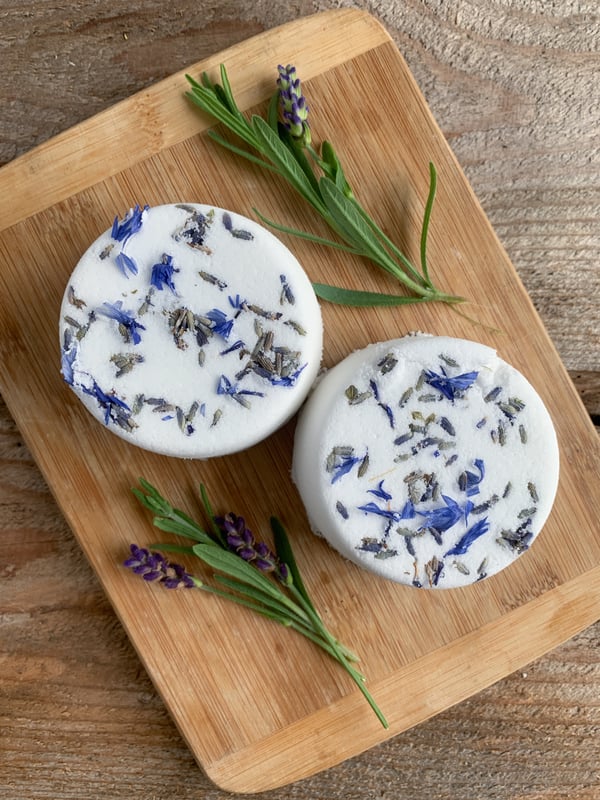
x: 190, y: 330
x: 428, y: 460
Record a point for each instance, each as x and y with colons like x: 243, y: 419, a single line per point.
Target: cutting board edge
x: 231, y: 772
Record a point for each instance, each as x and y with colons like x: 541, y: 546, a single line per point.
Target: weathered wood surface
x: 513, y: 88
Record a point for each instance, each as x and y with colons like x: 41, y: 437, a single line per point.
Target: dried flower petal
x: 128, y: 325
x: 162, y: 273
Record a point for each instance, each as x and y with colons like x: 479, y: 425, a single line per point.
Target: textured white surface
x: 427, y: 460
x: 203, y: 342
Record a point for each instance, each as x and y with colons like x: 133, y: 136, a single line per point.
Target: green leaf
x: 218, y: 534
x: 353, y: 226
x: 209, y: 102
x: 283, y: 609
x: 227, y: 94
x: 272, y: 146
x: 344, y: 213
x: 165, y: 547
x: 244, y: 153
x: 304, y: 234
x: 234, y: 566
x: 426, y: 219
x: 180, y: 527
x: 284, y: 551
x: 355, y: 297
x: 273, y: 112
x: 334, y: 168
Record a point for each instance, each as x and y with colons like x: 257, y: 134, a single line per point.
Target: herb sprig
x: 247, y: 571
x: 282, y: 144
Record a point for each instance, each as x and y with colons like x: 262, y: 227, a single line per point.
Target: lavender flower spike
x: 292, y: 104
x: 153, y: 566
x: 240, y: 540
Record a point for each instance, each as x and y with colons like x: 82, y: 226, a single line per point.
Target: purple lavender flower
x: 129, y: 225
x: 292, y: 105
x: 450, y: 387
x: 128, y: 325
x: 153, y: 566
x: 194, y: 230
x: 240, y: 540
x: 162, y: 273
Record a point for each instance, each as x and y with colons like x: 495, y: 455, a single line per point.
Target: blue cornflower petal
x: 380, y: 492
x: 126, y: 264
x: 463, y: 544
x: 124, y: 318
x: 344, y: 466
x: 129, y: 225
x: 373, y: 508
x: 221, y: 325
x: 443, y: 517
x: 106, y: 401
x: 286, y: 380
x: 408, y: 510
x: 162, y: 273
x: 225, y: 386
x: 236, y: 302
x: 235, y: 346
x: 469, y: 481
x: 449, y: 386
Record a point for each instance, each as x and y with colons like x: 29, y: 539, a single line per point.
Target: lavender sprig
x: 247, y: 571
x: 153, y: 566
x: 282, y: 143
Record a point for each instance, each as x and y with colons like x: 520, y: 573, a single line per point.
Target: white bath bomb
x: 190, y: 331
x: 428, y: 460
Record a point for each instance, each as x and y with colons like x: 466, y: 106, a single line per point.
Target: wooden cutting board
x: 259, y: 706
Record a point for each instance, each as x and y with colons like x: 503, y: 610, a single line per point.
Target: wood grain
x: 552, y: 767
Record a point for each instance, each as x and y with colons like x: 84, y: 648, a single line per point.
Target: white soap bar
x: 190, y: 331
x: 428, y: 460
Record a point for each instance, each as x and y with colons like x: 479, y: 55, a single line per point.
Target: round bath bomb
x: 428, y: 460
x: 190, y: 331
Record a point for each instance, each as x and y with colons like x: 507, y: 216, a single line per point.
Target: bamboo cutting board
x: 258, y: 706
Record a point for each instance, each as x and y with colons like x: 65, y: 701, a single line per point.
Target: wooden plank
x: 237, y: 704
x: 153, y: 120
